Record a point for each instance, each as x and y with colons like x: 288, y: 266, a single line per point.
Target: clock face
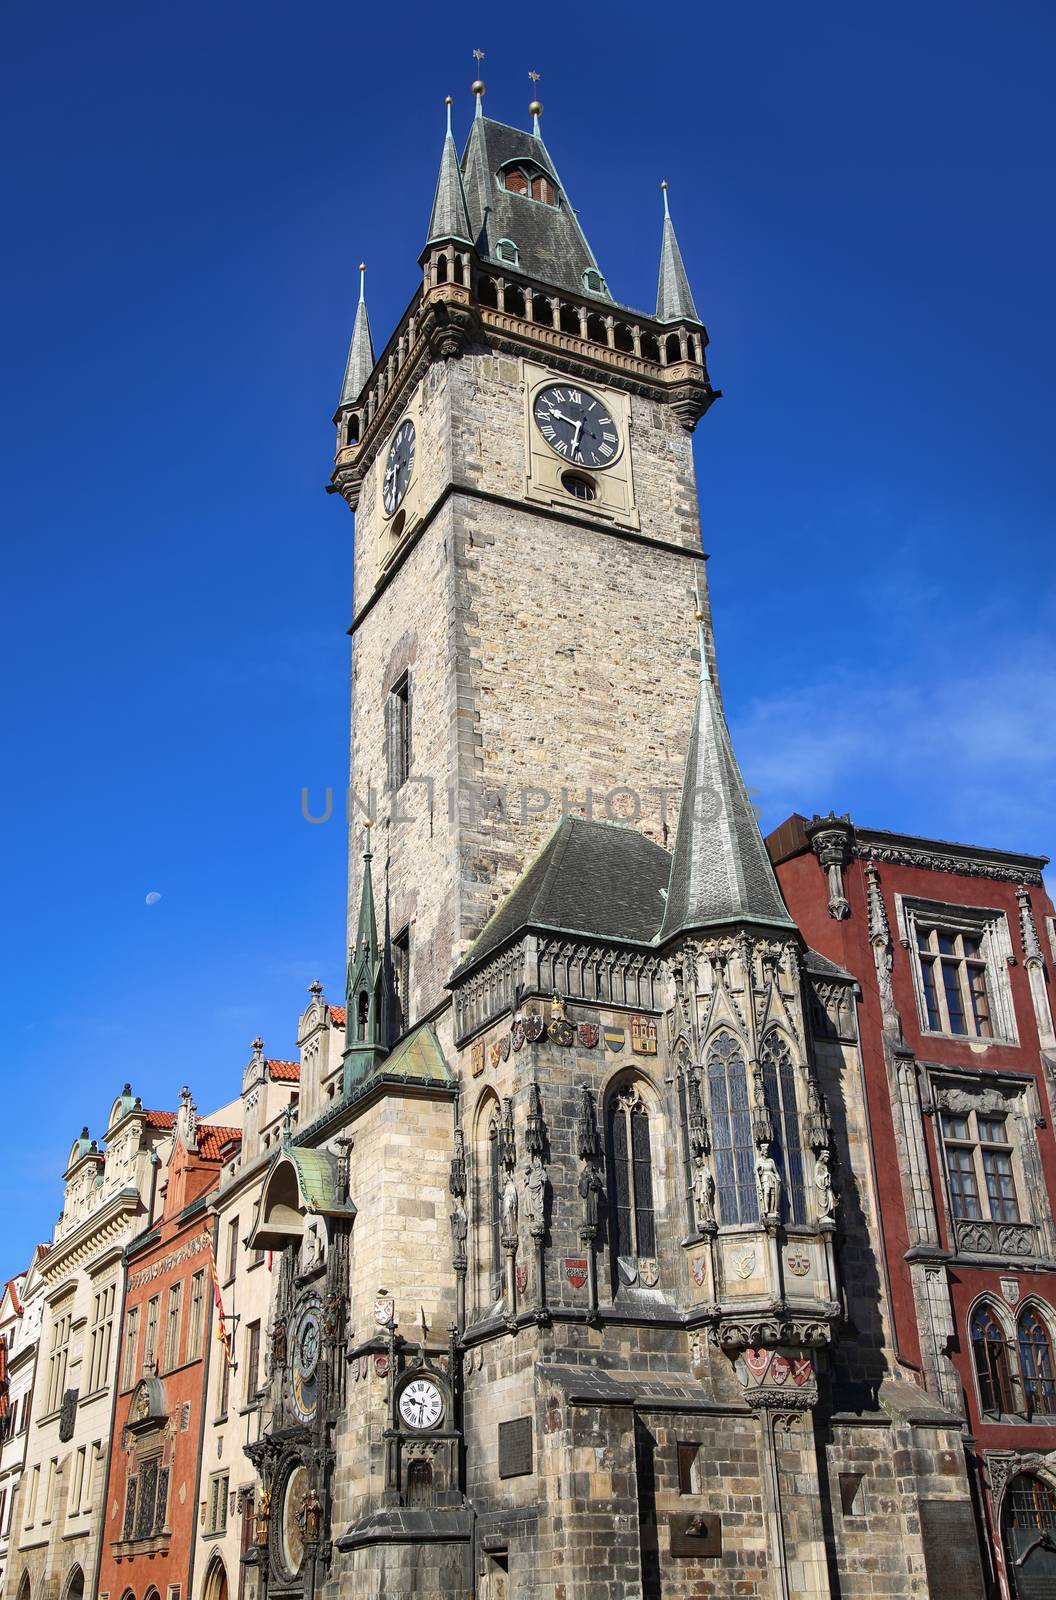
x: 304, y: 1387
x: 291, y: 1532
x: 421, y: 1404
x: 398, y: 467
x: 577, y: 425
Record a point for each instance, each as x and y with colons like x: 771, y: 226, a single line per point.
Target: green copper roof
x: 418, y: 1057
x: 317, y: 1180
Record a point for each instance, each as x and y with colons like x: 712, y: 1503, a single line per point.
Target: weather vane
x: 478, y: 57
x: 534, y: 77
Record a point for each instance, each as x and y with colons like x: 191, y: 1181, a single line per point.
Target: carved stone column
x: 830, y: 839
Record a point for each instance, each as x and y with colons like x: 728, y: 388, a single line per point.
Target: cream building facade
x: 110, y: 1195
x: 21, y: 1316
x: 235, y: 1411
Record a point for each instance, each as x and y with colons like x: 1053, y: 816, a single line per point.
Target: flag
x: 221, y: 1321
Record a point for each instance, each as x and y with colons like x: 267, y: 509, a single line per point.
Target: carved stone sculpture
x: 823, y: 1184
x: 509, y: 1213
x: 768, y: 1183
x: 535, y: 1196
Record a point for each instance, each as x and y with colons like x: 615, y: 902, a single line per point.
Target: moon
x: 153, y: 897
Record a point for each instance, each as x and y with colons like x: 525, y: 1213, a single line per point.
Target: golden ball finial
x: 448, y: 100
x: 698, y: 616
x: 535, y: 109
x: 663, y: 183
x: 362, y: 266
x: 368, y: 822
x: 478, y: 86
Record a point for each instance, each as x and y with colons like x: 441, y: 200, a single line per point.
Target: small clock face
x: 421, y: 1404
x: 398, y: 467
x: 577, y: 425
x: 308, y: 1346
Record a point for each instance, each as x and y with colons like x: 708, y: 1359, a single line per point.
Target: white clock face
x: 421, y: 1404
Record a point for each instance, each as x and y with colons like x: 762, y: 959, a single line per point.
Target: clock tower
x: 527, y: 550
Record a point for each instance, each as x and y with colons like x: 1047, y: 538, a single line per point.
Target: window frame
x: 170, y: 1355
x: 976, y: 1148
x: 990, y: 927
x: 630, y: 1116
x: 731, y: 1120
x: 399, y: 731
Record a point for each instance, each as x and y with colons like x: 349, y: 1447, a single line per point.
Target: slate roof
x: 674, y: 297
x: 601, y: 879
x: 551, y: 244
x: 720, y: 871
x: 360, y: 363
x: 450, y: 218
x: 418, y: 1057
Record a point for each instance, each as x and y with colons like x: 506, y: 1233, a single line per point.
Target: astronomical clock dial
x: 421, y: 1404
x: 576, y: 425
x: 398, y: 467
x: 304, y: 1387
x: 291, y: 1532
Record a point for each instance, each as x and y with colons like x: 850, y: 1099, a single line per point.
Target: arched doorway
x: 24, y: 1587
x: 215, y: 1581
x: 1028, y: 1520
x: 74, y: 1585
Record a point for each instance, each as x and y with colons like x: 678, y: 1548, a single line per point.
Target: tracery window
x: 990, y: 1354
x: 630, y: 1175
x: 779, y: 1087
x: 979, y: 1163
x: 731, y: 1131
x: 1036, y: 1364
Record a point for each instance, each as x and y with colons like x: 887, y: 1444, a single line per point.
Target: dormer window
x: 593, y: 282
x: 507, y: 251
x: 530, y: 181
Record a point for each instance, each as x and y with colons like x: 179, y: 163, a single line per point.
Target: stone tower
x: 521, y: 588
x: 577, y: 1293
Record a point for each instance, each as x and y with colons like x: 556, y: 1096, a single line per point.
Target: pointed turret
x: 360, y: 363
x: 674, y: 298
x: 720, y: 869
x: 364, y: 1030
x: 450, y: 218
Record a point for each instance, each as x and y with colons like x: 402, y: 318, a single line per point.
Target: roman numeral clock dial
x: 576, y: 425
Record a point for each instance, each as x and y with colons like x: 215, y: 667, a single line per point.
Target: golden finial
x: 535, y: 110
x: 663, y: 186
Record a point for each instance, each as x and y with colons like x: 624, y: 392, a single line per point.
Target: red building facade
x: 151, y: 1497
x: 953, y: 948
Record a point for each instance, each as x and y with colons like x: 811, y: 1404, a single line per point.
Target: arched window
x: 419, y: 1484
x: 487, y: 293
x: 352, y: 429
x: 779, y: 1086
x: 630, y: 1175
x: 731, y: 1131
x: 362, y: 1014
x: 990, y: 1353
x: 495, y: 1202
x: 486, y: 1204
x: 515, y: 181
x: 530, y: 182
x: 514, y: 298
x: 673, y: 347
x: 1027, y: 1515
x: 24, y: 1591
x: 74, y: 1586
x: 1035, y: 1364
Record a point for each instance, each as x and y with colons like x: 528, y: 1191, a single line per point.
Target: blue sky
x: 863, y: 198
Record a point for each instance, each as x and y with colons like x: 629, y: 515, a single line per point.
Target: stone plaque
x: 515, y: 1448
x: 68, y: 1415
x: 951, y: 1550
x: 696, y: 1533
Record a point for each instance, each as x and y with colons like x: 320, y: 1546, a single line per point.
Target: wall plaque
x: 68, y: 1415
x: 951, y: 1550
x: 515, y: 1448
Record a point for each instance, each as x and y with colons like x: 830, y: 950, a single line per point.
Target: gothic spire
x: 674, y: 298
x: 450, y: 218
x: 360, y: 363
x: 364, y: 1024
x: 720, y: 871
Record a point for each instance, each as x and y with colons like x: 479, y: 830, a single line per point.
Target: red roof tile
x: 337, y: 1016
x: 161, y: 1119
x: 285, y: 1071
x: 216, y: 1144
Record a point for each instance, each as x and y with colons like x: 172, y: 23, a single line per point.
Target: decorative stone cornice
x: 968, y: 866
x: 105, y: 1227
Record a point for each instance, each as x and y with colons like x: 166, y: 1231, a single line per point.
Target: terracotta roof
x: 337, y: 1016
x: 215, y: 1144
x: 161, y: 1119
x: 12, y: 1284
x: 285, y: 1071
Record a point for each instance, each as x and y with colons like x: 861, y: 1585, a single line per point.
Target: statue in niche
x: 509, y: 1212
x: 459, y: 1232
x: 313, y: 1250
x: 704, y: 1193
x: 768, y: 1183
x: 535, y: 1196
x: 823, y: 1184
x: 591, y: 1189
